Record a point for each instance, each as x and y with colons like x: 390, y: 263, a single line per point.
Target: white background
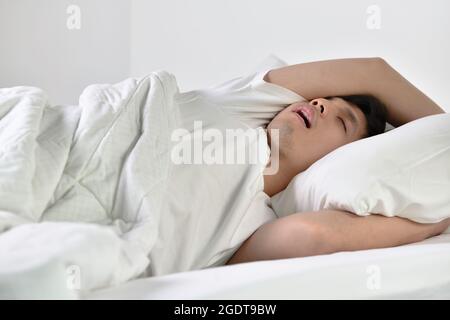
x: 204, y: 42
x: 36, y: 47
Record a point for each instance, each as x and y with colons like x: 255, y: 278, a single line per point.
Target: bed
x: 415, y: 271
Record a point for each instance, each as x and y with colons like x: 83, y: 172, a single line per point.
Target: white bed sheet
x: 415, y: 271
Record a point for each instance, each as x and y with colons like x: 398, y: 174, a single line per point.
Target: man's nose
x: 321, y: 106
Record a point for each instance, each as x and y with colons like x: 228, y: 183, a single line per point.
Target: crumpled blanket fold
x: 82, y: 185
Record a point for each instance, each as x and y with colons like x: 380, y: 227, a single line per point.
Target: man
x: 308, y: 131
x: 130, y: 176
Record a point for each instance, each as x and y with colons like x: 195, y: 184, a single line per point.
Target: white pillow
x: 404, y: 172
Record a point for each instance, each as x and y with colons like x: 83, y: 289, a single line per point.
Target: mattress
x: 415, y: 271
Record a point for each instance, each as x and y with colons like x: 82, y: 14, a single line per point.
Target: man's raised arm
x: 372, y: 76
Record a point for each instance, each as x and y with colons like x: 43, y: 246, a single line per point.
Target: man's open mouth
x: 305, y: 118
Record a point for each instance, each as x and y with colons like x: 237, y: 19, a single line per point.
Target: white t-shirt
x: 209, y: 210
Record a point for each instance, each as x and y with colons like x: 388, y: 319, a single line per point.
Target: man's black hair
x: 374, y: 111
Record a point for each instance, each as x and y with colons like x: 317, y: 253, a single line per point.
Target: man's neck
x: 273, y: 183
x: 277, y: 182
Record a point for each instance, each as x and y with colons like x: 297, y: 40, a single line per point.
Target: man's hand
x: 328, y: 231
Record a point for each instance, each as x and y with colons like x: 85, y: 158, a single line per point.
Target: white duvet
x: 93, y: 174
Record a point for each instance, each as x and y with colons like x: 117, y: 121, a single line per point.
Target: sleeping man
x: 362, y: 95
x: 113, y: 186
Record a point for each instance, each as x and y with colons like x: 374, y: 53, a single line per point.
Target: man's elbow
x: 379, y: 61
x: 377, y: 65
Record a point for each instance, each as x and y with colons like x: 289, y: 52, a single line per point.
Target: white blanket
x: 80, y: 186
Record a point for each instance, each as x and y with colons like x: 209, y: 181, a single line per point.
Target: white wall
x: 36, y: 47
x: 204, y: 42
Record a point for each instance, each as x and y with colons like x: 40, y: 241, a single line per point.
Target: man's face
x: 310, y: 130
